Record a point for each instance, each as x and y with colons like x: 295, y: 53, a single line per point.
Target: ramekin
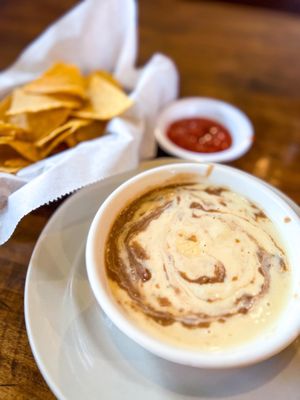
x: 235, y: 120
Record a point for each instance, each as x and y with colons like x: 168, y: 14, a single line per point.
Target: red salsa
x: 199, y: 134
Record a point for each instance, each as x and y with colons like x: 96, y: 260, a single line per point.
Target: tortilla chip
x: 106, y: 76
x: 92, y: 131
x: 74, y: 134
x: 51, y: 146
x: 11, y: 131
x: 24, y: 149
x: 4, y: 107
x: 67, y: 100
x: 105, y: 100
x: 72, y: 125
x: 71, y: 141
x: 7, y: 157
x: 35, y: 119
x: 13, y: 165
x: 40, y: 124
x: 10, y: 170
x: 89, y: 132
x: 23, y: 102
x: 60, y: 78
x: 6, y: 138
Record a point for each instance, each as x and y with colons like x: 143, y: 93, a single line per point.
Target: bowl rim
x: 237, y: 149
x: 233, y: 357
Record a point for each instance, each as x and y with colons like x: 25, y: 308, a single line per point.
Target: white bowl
x: 237, y: 123
x: 264, y: 346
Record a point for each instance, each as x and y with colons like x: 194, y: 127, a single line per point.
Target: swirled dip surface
x: 198, y: 266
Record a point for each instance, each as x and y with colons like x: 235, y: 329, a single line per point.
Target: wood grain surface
x: 247, y: 56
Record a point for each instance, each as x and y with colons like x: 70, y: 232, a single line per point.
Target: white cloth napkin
x: 96, y: 34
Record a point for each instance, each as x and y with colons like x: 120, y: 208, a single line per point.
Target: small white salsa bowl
x: 233, y: 119
x: 263, y: 346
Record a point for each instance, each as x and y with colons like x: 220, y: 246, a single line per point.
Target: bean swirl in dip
x: 197, y: 266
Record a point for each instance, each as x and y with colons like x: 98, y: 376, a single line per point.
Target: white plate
x: 237, y: 123
x: 83, y: 356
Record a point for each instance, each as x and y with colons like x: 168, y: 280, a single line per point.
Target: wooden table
x: 247, y: 56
